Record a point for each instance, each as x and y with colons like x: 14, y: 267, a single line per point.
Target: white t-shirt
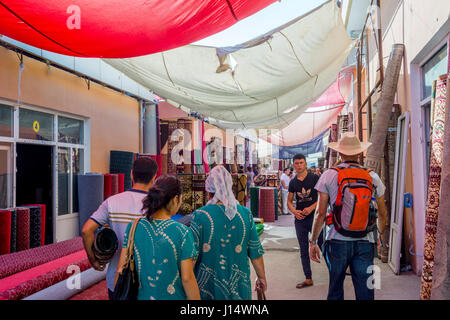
x: 328, y: 184
x: 118, y: 211
x: 286, y: 179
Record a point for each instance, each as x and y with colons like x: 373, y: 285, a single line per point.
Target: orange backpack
x: 350, y: 214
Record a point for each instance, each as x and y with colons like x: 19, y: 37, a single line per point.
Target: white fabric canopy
x: 267, y: 83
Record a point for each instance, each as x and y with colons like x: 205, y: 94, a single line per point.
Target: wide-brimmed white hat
x: 349, y: 145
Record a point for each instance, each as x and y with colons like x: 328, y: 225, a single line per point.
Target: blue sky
x: 263, y: 21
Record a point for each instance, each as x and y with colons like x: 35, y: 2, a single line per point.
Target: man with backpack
x: 349, y: 190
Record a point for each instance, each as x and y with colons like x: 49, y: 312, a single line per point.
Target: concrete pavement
x: 284, y: 270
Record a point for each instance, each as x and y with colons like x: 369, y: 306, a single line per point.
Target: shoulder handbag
x: 127, y: 285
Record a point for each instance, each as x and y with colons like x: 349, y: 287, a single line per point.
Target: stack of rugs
x: 22, y: 228
x: 42, y: 273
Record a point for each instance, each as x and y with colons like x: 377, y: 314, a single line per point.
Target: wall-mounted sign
x: 36, y: 126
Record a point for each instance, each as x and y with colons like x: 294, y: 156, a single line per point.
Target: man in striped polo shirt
x: 118, y: 211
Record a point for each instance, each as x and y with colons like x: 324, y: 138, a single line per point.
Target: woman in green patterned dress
x: 226, y: 237
x: 163, y: 248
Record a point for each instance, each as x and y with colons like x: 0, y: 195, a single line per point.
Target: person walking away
x: 163, y: 248
x: 250, y: 183
x: 302, y: 187
x: 117, y: 211
x: 284, y: 182
x: 226, y: 237
x: 348, y: 189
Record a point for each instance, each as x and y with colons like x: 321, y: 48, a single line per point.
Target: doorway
x: 34, y: 181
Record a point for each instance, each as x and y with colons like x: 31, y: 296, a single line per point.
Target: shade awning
x: 116, y: 28
x: 265, y: 83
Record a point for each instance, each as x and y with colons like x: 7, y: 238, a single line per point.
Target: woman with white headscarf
x: 226, y: 238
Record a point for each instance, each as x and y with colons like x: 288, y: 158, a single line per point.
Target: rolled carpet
x: 25, y: 283
x: 26, y: 259
x: 254, y: 201
x: 114, y: 184
x: 23, y: 229
x: 5, y: 232
x: 266, y: 204
x: 121, y: 182
x: 60, y: 290
x: 107, y: 186
x: 13, y: 230
x: 43, y: 211
x: 90, y: 195
x: 105, y: 245
x: 35, y: 226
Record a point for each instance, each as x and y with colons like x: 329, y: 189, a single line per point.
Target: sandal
x: 304, y: 285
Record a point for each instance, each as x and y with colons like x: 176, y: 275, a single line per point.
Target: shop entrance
x: 34, y: 180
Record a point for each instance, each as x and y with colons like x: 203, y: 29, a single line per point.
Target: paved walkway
x: 284, y: 270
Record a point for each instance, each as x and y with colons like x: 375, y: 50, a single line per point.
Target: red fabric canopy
x: 118, y: 28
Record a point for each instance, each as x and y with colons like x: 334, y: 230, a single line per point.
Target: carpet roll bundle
x: 90, y: 195
x: 107, y: 186
x: 23, y: 229
x: 5, y: 232
x: 254, y: 201
x: 105, y: 245
x: 267, y: 204
x: 122, y: 162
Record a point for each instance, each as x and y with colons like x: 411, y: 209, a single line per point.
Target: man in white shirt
x: 118, y: 211
x: 284, y: 181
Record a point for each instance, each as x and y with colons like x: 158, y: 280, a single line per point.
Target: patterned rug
x: 434, y: 184
x: 242, y: 189
x: 198, y: 191
x: 187, y: 205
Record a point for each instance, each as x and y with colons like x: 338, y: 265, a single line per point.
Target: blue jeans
x: 359, y: 256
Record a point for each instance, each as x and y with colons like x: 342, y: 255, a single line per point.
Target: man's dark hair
x: 286, y: 169
x: 249, y: 168
x: 299, y: 156
x: 144, y: 169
